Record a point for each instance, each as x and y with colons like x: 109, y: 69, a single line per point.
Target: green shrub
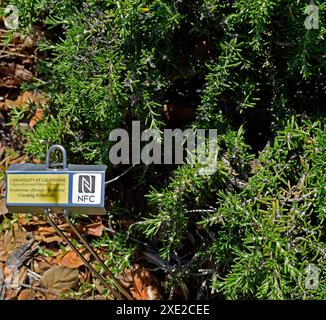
x: 280, y: 216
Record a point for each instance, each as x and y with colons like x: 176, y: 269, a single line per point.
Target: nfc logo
x: 86, y: 184
x: 87, y: 188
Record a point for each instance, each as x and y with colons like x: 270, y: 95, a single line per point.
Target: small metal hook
x: 64, y: 156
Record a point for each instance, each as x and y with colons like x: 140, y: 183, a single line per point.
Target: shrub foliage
x: 252, y: 70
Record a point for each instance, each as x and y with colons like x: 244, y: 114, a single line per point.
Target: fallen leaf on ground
x: 17, y: 257
x: 26, y: 294
x: 84, y: 275
x: 14, y: 278
x: 60, y: 278
x: 49, y: 238
x: 70, y: 259
x: 99, y: 286
x: 11, y: 294
x: 3, y: 251
x: 39, y: 114
x: 144, y: 288
x: 94, y: 229
x: 14, y: 239
x: 24, y: 219
x: 47, y: 235
x: 14, y: 281
x: 16, y: 160
x: 142, y: 284
x: 42, y: 264
x: 24, y: 99
x: 50, y: 296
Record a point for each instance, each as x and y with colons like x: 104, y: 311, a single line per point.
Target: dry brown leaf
x: 41, y: 264
x: 3, y: 251
x: 39, y: 114
x: 48, y: 238
x: 11, y: 294
x: 51, y: 296
x: 40, y: 296
x: 143, y: 285
x: 99, y: 286
x: 64, y: 227
x: 10, y: 274
x: 46, y: 229
x: 26, y: 294
x: 94, y: 229
x: 22, y: 74
x: 23, y: 100
x: 70, y: 259
x: 20, y: 159
x: 15, y: 283
x: 60, y: 278
x: 14, y: 239
x: 34, y: 221
x: 36, y: 161
x: 141, y: 280
x: 47, y: 235
x: 153, y: 293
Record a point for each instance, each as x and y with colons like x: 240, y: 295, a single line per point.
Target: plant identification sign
x: 33, y: 188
